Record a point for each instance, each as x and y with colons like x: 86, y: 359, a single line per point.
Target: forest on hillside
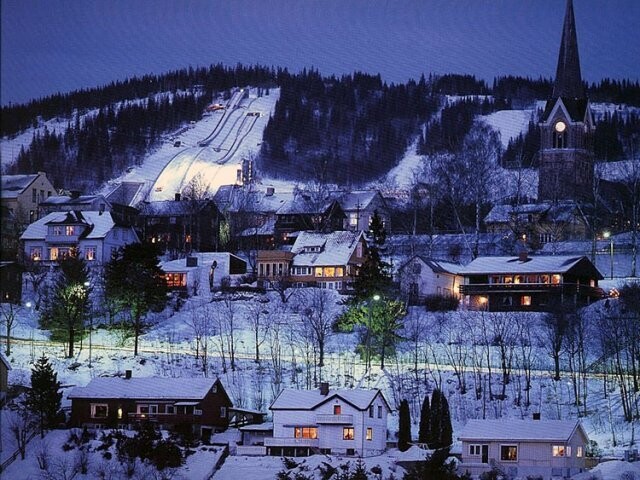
x: 347, y: 129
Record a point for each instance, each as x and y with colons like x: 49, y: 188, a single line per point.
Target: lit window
x: 90, y: 253
x: 509, y: 453
x: 369, y: 433
x: 526, y: 300
x: 305, y: 432
x: 36, y: 253
x: 544, y: 278
x: 176, y: 280
x: 555, y: 279
x: 561, y: 451
x: 69, y: 230
x: 318, y: 271
x: 348, y: 433
x: 337, y: 409
x: 329, y: 272
x: 119, y: 413
x: 579, y: 451
x: 353, y: 219
x: 99, y: 410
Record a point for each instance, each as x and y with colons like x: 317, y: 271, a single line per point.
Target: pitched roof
x: 537, y: 264
x: 304, y: 204
x: 173, y: 208
x: 336, y: 248
x: 357, y: 199
x: 125, y: 193
x: 519, y: 430
x: 145, y: 388
x: 290, y: 399
x: 99, y: 224
x: 436, y: 266
x: 13, y: 185
x: 233, y: 198
x: 72, y: 202
x: 568, y: 82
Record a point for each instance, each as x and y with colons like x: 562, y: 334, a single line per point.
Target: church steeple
x: 568, y: 82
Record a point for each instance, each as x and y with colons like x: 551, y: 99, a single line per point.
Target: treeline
x: 611, y: 141
x: 343, y: 130
x: 102, y: 146
x: 16, y: 118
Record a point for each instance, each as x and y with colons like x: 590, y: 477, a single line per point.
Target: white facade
x: 94, y: 234
x: 347, y: 422
x: 420, y: 277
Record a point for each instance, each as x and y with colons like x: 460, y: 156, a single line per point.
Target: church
x: 566, y: 159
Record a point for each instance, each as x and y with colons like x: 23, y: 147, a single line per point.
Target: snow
x: 335, y: 248
x: 101, y: 224
x: 509, y: 123
x: 150, y: 387
x: 521, y: 430
x: 309, y: 399
x: 613, y: 470
x: 533, y: 264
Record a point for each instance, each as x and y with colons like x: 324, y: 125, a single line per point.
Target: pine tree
x: 434, y: 419
x: 44, y: 398
x: 404, y: 426
x: 424, y: 433
x: 441, y: 429
x: 374, y: 276
x: 446, y: 432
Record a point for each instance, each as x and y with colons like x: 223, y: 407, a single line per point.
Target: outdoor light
x: 607, y: 235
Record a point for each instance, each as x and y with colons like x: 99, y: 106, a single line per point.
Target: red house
x: 201, y: 403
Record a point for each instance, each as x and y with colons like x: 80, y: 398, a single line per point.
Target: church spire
x: 568, y: 82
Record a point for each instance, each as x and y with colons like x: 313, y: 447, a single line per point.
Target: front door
x: 485, y: 453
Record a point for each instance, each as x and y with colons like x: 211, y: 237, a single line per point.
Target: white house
x: 203, y: 272
x: 347, y: 422
x: 421, y: 276
x: 96, y: 235
x: 522, y: 448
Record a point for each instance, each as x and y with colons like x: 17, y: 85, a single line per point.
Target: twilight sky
x: 61, y: 45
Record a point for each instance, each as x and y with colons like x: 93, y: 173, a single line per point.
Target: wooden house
x: 420, y: 277
x: 524, y: 448
x: 529, y: 283
x: 200, y: 403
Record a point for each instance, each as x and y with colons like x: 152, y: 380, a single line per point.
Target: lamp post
x: 375, y: 298
x: 607, y: 235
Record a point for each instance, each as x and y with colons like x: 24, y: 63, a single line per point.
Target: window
x: 337, y: 409
x: 119, y: 413
x: 197, y: 411
x: 348, y: 433
x: 555, y: 279
x: 561, y: 451
x: 36, y: 253
x: 475, y: 450
x: 509, y: 453
x: 329, y: 272
x: 379, y: 411
x: 56, y: 230
x: 170, y: 409
x: 339, y: 272
x: 34, y: 195
x: 318, y: 271
x: 525, y: 300
x: 69, y: 230
x: 359, y: 250
x: 579, y: 451
x: 371, y: 411
x: 90, y: 253
x: 176, y: 280
x: 305, y: 432
x: 99, y: 410
x: 369, y: 433
x: 223, y: 412
x: 353, y: 219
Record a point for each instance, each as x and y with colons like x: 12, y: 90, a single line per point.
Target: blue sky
x: 61, y: 45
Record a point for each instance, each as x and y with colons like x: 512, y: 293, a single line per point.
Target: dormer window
x: 69, y: 230
x: 312, y: 249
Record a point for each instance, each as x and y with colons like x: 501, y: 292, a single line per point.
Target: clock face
x: 560, y: 127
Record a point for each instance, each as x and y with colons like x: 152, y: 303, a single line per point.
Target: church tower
x: 566, y: 154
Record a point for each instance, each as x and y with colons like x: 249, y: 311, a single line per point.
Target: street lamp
x: 375, y: 298
x: 607, y: 235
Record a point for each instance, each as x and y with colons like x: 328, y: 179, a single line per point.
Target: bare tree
x: 225, y: 318
x: 315, y: 305
x: 201, y: 324
x: 259, y: 325
x: 22, y: 425
x: 555, y: 326
x: 9, y: 320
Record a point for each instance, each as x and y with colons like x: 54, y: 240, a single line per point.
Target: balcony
x: 168, y: 418
x: 290, y: 442
x: 334, y: 419
x: 551, y: 288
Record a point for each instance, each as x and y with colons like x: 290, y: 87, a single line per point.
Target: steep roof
x: 304, y: 204
x: 290, y: 399
x: 173, y: 208
x: 234, y: 198
x: 520, y: 430
x: 336, y: 248
x: 14, y: 185
x: 71, y: 202
x: 436, y: 266
x: 99, y: 224
x: 357, y: 199
x: 537, y: 264
x: 145, y: 388
x: 568, y: 83
x: 125, y: 193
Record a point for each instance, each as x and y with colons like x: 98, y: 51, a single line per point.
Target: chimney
x: 74, y: 193
x: 536, y: 416
x: 270, y: 191
x: 523, y: 256
x: 324, y: 389
x: 127, y: 374
x: 177, y: 197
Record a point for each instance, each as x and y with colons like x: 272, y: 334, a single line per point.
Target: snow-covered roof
x: 204, y: 259
x: 336, y: 248
x: 99, y: 224
x: 145, y: 388
x: 537, y: 264
x: 290, y: 399
x: 552, y: 212
x: 69, y: 200
x: 233, y: 198
x: 519, y: 430
x: 355, y: 200
x: 268, y: 228
x: 436, y: 266
x: 13, y: 185
x: 125, y: 193
x: 260, y: 427
x: 4, y: 361
x: 304, y: 204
